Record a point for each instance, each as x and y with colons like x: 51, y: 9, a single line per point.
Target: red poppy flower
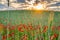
x: 36, y: 39
x: 21, y: 25
x: 30, y: 27
x: 53, y: 36
x: 53, y: 28
x: 25, y: 37
x: 58, y: 28
x: 20, y: 29
x: 9, y: 35
x: 8, y: 26
x: 25, y: 27
x: 12, y: 33
x: 45, y: 29
x: 13, y: 28
x: 37, y: 27
x: 4, y: 37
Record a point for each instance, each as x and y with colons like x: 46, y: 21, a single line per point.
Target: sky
x: 20, y: 0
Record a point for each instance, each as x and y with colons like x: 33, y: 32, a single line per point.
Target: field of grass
x: 29, y: 25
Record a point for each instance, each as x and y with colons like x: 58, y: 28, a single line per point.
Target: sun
x: 38, y: 7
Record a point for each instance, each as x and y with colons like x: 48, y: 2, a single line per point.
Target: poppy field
x: 29, y: 25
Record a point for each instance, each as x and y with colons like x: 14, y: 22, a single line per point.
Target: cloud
x: 21, y: 1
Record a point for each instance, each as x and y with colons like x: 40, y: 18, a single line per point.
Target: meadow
x: 29, y: 25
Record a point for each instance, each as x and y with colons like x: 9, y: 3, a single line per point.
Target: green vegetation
x: 29, y: 25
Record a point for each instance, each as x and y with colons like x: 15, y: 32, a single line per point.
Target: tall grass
x: 29, y: 25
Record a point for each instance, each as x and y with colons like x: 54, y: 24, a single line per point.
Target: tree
x: 8, y: 3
